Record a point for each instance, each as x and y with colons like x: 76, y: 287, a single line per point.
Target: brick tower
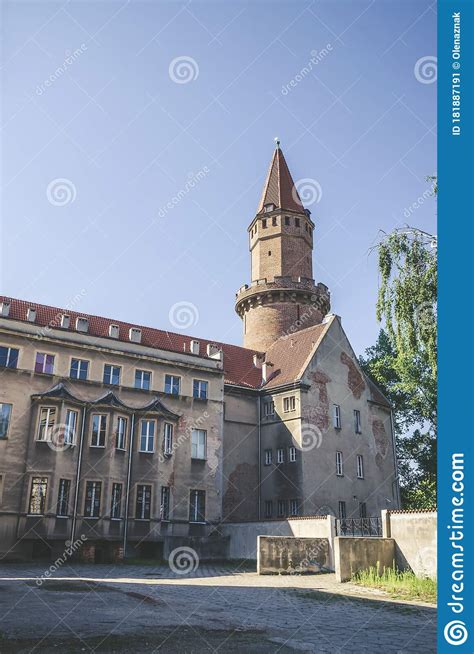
x: 282, y: 297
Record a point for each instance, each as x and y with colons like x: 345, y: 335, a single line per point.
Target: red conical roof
x: 280, y: 188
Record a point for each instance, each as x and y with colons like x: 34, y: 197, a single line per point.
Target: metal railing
x: 365, y: 527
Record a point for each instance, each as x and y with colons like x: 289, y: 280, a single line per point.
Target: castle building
x: 136, y: 439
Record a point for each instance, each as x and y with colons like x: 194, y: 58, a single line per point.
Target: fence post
x: 331, y: 526
x: 386, y: 531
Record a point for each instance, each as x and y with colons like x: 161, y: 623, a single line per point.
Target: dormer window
x: 114, y: 331
x: 194, y: 347
x: 31, y: 314
x: 82, y: 325
x: 269, y: 207
x: 65, y: 321
x: 135, y: 335
x: 4, y: 309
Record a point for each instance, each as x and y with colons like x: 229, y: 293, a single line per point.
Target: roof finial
x: 277, y: 141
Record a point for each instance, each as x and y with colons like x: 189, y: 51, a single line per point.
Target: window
x: 197, y: 506
x: 121, y: 433
x: 165, y: 503
x: 297, y: 222
x: 5, y: 415
x: 168, y: 439
x: 292, y: 454
x: 39, y: 488
x: 198, y: 444
x: 172, y: 384
x: 62, y: 508
x: 342, y: 510
x: 116, y: 502
x: 357, y: 427
x: 147, y: 436
x: 360, y: 466
x: 287, y: 220
x: 268, y: 457
x: 264, y: 223
x: 268, y: 508
x: 79, y: 369
x: 362, y: 510
x: 143, y: 380
x: 70, y: 427
x: 44, y: 363
x: 111, y: 375
x: 289, y: 404
x: 339, y: 468
x: 99, y: 430
x: 200, y: 389
x: 336, y: 416
x: 92, y: 502
x: 274, y: 221
x: 143, y: 506
x: 280, y: 455
x: 8, y: 357
x: 268, y: 409
x: 269, y: 253
x: 281, y: 508
x: 47, y: 421
x: 294, y: 508
x: 82, y: 324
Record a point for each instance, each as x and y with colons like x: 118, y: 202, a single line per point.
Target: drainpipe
x: 78, y: 474
x: 127, y: 490
x: 259, y: 457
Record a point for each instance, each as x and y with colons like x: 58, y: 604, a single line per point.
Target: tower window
x: 268, y: 207
x: 297, y: 222
x: 274, y: 221
x: 287, y: 220
x: 264, y: 223
x: 269, y: 253
x: 306, y: 226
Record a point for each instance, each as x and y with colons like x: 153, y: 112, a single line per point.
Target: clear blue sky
x: 127, y: 138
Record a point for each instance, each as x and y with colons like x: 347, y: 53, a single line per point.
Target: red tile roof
x: 238, y: 361
x: 279, y: 188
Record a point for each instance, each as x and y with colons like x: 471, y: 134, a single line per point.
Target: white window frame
x: 113, y: 368
x: 293, y: 507
x: 121, y: 435
x: 269, y: 409
x: 45, y: 355
x: 268, y: 457
x: 79, y: 368
x: 198, y: 449
x: 292, y: 454
x: 357, y: 422
x: 165, y: 493
x: 339, y: 464
x: 9, y: 350
x: 116, y: 507
x: 49, y: 425
x: 336, y: 416
x: 62, y: 496
x: 168, y: 429
x: 342, y: 510
x: 289, y: 404
x: 284, y: 505
x: 70, y: 430
x: 281, y: 455
x: 145, y: 488
x: 360, y: 466
x: 44, y: 483
x: 202, y: 389
x: 103, y: 420
x: 173, y: 379
x: 142, y: 373
x: 148, y: 436
x: 268, y: 509
x: 96, y: 490
x: 195, y: 494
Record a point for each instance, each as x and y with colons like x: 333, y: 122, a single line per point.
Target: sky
x: 136, y: 138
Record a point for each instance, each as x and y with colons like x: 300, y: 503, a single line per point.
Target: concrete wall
x: 243, y: 535
x: 355, y: 554
x: 290, y: 555
x: 414, y: 533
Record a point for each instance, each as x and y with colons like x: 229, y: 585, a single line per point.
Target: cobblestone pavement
x: 137, y: 608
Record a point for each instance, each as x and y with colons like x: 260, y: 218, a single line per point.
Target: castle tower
x: 282, y: 297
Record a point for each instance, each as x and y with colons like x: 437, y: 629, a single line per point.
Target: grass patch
x: 399, y: 585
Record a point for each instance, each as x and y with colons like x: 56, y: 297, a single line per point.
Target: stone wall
x: 356, y: 554
x: 290, y: 555
x: 414, y: 533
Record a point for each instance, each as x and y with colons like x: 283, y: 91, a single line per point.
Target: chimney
x: 258, y: 359
x: 266, y: 371
x: 214, y: 352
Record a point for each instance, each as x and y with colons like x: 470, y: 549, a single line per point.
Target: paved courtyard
x: 137, y: 608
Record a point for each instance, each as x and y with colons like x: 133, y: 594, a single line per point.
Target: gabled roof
x: 238, y: 361
x: 60, y: 392
x: 279, y: 188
